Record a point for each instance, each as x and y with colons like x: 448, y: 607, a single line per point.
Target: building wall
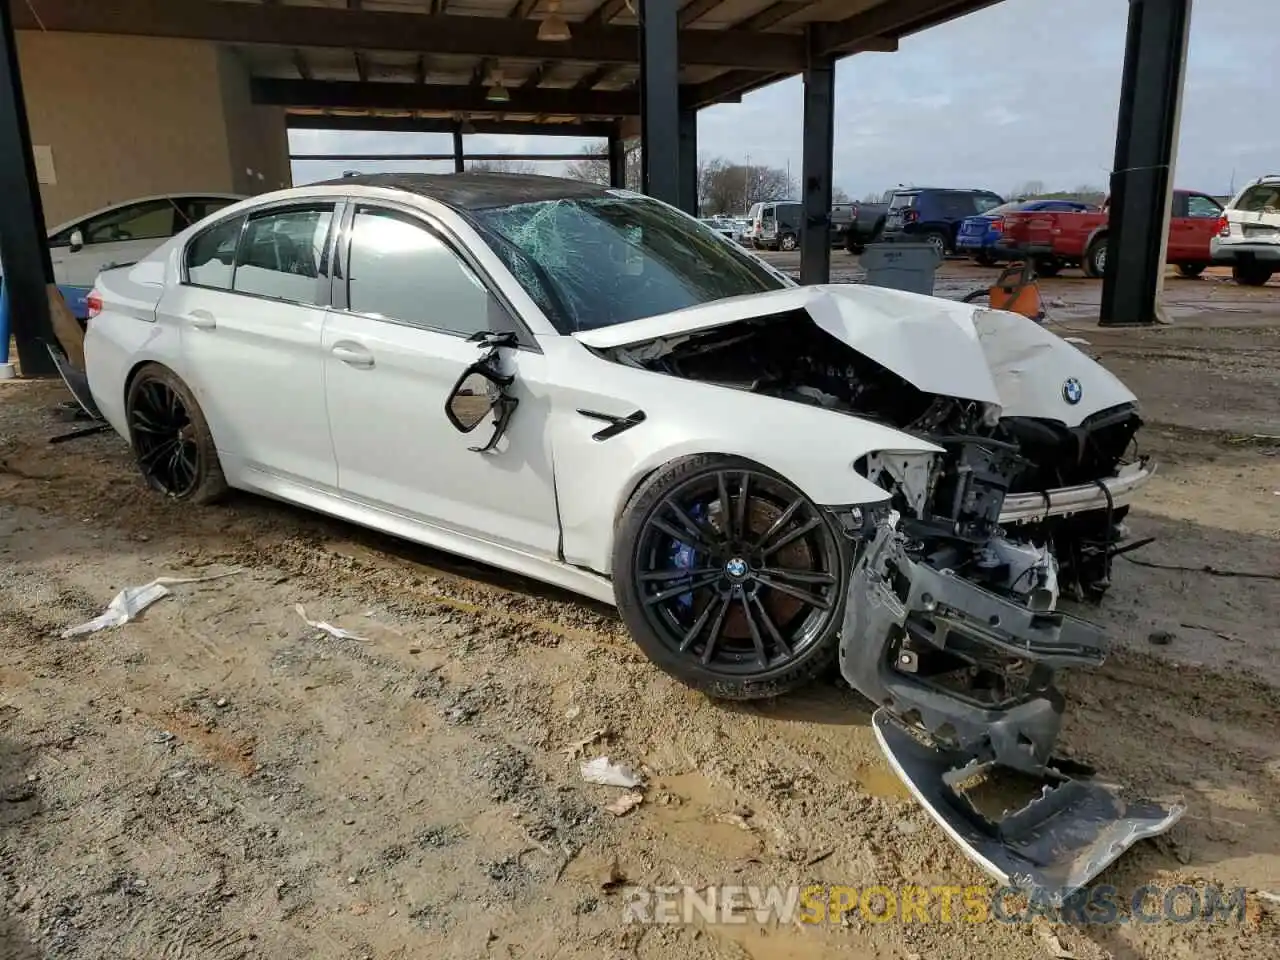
x: 131, y: 116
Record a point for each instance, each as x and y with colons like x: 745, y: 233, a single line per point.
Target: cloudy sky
x: 1023, y: 91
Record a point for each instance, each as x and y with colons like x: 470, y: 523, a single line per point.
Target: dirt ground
x: 219, y: 780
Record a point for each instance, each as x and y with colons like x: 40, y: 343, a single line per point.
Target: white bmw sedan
x: 588, y: 387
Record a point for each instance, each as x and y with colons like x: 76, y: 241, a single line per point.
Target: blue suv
x: 933, y: 215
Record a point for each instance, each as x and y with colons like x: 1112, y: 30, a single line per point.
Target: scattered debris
x: 1217, y: 633
x: 1161, y: 638
x: 819, y: 857
x: 737, y: 818
x: 575, y: 749
x: 573, y: 712
x: 1080, y: 340
x: 1055, y: 947
x: 131, y: 601
x: 602, y: 771
x: 625, y: 804
x: 613, y: 878
x: 336, y: 632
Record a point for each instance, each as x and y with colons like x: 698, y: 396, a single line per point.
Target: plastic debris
x: 336, y: 632
x: 1077, y: 340
x: 625, y: 804
x: 573, y: 750
x: 131, y: 601
x: 602, y: 771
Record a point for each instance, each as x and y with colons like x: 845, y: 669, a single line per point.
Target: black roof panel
x: 477, y: 191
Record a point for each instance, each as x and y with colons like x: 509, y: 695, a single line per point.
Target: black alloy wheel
x: 171, y: 441
x: 737, y: 577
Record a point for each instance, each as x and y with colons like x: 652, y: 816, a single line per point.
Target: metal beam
x: 459, y: 157
x: 419, y: 157
x: 660, y: 100
x: 727, y: 88
x: 767, y: 17
x: 300, y: 121
x: 306, y: 26
x: 24, y: 249
x: 606, y: 12
x: 816, y: 167
x: 691, y: 13
x: 617, y: 161
x: 589, y: 80
x: 891, y: 19
x: 689, y: 161
x: 443, y: 99
x: 1146, y: 139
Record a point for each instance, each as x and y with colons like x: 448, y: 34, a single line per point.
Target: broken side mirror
x: 479, y: 392
x: 76, y: 241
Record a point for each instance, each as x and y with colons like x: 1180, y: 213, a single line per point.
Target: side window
x: 401, y: 270
x: 211, y: 255
x: 983, y: 202
x: 195, y: 209
x: 282, y: 255
x: 1198, y: 206
x: 152, y: 220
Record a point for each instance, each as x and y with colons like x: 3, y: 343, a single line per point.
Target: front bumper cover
x: 936, y: 737
x: 1114, y: 491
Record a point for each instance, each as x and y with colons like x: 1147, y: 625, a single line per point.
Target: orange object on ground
x: 1016, y: 290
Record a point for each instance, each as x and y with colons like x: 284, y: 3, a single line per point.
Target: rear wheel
x: 1251, y: 274
x: 170, y: 438
x: 938, y: 241
x: 1047, y: 266
x: 729, y: 578
x: 984, y: 258
x: 1190, y: 270
x: 1095, y: 258
x: 787, y: 241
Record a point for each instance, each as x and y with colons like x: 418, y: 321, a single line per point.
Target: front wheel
x: 171, y: 441
x: 1251, y: 274
x: 729, y: 578
x: 1095, y: 258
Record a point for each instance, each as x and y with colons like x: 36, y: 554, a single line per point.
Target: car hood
x: 930, y: 342
x: 938, y: 346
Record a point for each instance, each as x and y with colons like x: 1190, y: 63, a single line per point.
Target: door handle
x: 202, y: 320
x: 352, y: 354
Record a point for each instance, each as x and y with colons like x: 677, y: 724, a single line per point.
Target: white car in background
x: 125, y: 232
x: 1248, y: 237
x: 590, y: 388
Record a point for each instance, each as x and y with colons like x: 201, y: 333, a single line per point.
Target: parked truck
x: 854, y: 225
x: 1055, y: 240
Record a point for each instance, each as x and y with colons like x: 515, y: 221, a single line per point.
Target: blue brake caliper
x: 685, y: 557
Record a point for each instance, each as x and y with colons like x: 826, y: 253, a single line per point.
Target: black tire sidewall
x: 1091, y: 257
x: 211, y: 485
x: 819, y: 657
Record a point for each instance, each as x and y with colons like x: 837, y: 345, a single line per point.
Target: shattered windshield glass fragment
x: 600, y: 261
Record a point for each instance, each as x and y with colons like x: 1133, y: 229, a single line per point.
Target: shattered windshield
x: 597, y: 261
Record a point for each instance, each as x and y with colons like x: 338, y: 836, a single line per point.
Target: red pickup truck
x: 1057, y: 240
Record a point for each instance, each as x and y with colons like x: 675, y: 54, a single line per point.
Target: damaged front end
x: 951, y: 628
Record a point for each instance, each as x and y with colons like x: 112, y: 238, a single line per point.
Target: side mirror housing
x: 76, y: 240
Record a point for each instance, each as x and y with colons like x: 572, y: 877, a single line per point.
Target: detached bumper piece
x: 964, y: 680
x: 1054, y: 845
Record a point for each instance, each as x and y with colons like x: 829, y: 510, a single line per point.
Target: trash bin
x: 901, y: 266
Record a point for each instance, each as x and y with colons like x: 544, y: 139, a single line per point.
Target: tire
x: 1095, y: 258
x: 1191, y: 270
x: 711, y: 636
x: 787, y: 241
x: 1251, y: 274
x: 164, y: 418
x: 984, y: 258
x: 1047, y: 267
x: 939, y: 242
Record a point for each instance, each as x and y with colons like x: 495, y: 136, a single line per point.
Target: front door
x: 1194, y: 222
x: 394, y: 346
x: 251, y: 308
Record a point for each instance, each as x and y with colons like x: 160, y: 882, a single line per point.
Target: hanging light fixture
x: 554, y: 27
x: 497, y: 92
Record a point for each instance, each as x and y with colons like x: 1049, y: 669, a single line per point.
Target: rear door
x: 250, y: 307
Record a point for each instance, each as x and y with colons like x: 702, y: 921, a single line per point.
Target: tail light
x: 910, y: 216
x: 997, y: 224
x: 1224, y: 226
x: 94, y: 304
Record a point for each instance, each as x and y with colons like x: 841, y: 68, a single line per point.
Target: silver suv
x: 1248, y: 237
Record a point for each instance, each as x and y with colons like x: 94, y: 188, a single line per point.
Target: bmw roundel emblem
x: 1072, y: 391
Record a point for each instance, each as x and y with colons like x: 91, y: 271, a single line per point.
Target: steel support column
x: 24, y: 247
x: 689, y: 161
x: 816, y: 167
x: 617, y: 162
x: 1141, y: 179
x: 458, y: 158
x: 660, y: 100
